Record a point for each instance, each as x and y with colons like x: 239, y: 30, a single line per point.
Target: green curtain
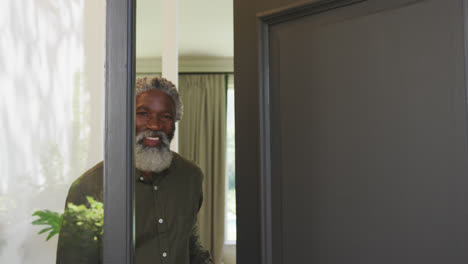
x: 202, y: 136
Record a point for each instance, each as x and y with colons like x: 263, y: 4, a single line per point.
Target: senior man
x: 168, y: 189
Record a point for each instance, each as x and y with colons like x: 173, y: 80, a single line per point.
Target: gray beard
x: 154, y: 159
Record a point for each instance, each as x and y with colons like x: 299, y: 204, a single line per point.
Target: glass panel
x: 181, y: 205
x: 231, y: 227
x: 51, y: 110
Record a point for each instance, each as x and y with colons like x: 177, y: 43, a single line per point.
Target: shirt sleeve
x: 198, y: 255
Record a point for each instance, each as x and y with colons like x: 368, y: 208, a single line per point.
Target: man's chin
x: 155, y: 159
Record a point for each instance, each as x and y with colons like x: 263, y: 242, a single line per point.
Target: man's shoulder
x: 187, y: 165
x: 93, y: 175
x: 88, y: 184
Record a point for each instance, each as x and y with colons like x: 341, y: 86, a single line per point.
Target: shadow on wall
x: 47, y: 113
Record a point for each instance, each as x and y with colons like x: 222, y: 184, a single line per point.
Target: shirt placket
x: 161, y: 220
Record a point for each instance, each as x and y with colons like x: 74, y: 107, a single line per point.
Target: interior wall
x: 51, y: 109
x: 187, y: 64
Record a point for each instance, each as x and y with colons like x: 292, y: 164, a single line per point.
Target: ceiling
x: 205, y: 28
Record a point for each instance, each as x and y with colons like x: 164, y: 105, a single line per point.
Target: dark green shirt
x: 165, y: 221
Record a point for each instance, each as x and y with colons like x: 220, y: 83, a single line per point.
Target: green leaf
x: 39, y: 222
x: 80, y: 219
x: 52, y: 221
x: 51, y: 234
x: 45, y: 230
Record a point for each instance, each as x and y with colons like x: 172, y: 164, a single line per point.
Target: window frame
x: 118, y: 238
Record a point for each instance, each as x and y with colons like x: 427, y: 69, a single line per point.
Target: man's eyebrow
x: 142, y: 108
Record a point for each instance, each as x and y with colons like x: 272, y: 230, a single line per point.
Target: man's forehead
x: 154, y: 93
x: 154, y: 96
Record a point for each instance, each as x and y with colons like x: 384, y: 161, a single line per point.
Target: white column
x: 170, y: 66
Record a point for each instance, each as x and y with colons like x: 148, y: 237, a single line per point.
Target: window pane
x: 230, y: 166
x: 51, y: 110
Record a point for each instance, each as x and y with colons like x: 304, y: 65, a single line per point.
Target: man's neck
x: 148, y: 175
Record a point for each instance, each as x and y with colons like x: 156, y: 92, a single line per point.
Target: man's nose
x: 153, y: 123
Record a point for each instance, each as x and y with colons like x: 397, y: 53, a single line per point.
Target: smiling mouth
x: 152, y: 141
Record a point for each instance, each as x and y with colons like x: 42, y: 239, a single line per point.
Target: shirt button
x: 161, y: 221
x: 141, y: 178
x: 164, y: 254
x: 155, y: 188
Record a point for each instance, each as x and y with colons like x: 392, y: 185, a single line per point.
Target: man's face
x: 155, y: 125
x: 155, y: 113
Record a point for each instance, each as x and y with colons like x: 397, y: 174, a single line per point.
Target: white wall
x: 229, y: 254
x: 51, y: 111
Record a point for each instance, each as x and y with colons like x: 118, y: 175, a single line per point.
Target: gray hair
x: 158, y: 83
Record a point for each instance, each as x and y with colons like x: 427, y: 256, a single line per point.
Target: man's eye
x: 142, y: 113
x: 167, y: 116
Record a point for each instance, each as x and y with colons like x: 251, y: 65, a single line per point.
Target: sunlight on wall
x: 51, y: 108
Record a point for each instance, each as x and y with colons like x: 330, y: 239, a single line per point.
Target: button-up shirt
x: 165, y: 221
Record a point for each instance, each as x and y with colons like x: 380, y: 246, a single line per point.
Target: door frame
x: 270, y: 188
x: 118, y: 241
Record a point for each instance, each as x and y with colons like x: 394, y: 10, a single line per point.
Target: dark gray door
x: 351, y: 131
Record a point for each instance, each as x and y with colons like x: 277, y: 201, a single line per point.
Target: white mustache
x: 153, y: 135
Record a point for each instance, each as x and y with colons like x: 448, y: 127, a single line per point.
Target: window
x: 230, y: 218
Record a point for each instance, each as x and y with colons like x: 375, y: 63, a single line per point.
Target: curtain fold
x: 202, y: 136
